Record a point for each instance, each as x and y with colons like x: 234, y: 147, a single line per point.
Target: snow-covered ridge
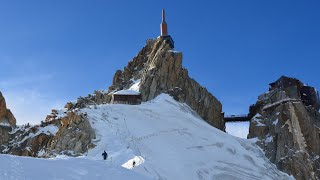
x: 168, y: 140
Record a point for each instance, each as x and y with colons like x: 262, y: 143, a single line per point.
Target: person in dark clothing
x: 105, y: 155
x: 134, y: 164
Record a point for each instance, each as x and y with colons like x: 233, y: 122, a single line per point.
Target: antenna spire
x: 163, y: 15
x: 163, y: 25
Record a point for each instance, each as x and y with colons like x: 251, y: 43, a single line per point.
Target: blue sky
x: 52, y: 52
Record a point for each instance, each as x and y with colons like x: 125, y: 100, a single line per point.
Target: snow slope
x: 64, y: 168
x: 167, y: 140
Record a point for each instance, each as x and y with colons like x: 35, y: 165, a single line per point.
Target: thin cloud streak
x: 24, y: 80
x: 31, y: 106
x: 27, y: 99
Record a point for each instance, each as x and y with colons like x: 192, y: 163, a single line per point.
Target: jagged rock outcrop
x: 158, y: 69
x: 6, y: 116
x: 286, y: 124
x: 74, y: 136
x: 63, y: 132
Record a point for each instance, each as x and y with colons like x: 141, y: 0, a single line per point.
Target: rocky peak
x: 286, y: 123
x: 158, y: 69
x: 6, y: 116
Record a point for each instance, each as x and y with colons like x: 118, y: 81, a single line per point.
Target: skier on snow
x: 105, y: 155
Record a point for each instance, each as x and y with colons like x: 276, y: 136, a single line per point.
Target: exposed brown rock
x: 6, y: 115
x: 287, y: 125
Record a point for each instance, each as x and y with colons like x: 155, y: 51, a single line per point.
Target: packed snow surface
x: 62, y: 168
x: 161, y: 139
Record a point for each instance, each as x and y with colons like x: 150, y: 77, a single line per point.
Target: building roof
x: 127, y: 92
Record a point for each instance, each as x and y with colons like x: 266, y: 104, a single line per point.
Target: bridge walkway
x: 237, y: 118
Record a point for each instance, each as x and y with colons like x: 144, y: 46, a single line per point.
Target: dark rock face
x: 159, y: 70
x: 287, y: 124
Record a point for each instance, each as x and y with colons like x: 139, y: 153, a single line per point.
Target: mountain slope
x: 169, y: 141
